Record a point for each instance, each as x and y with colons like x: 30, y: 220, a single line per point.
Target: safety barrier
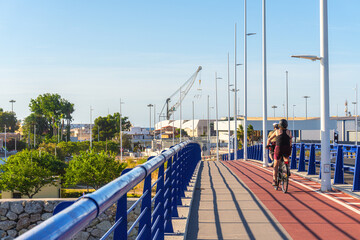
x: 180, y: 161
x: 299, y: 161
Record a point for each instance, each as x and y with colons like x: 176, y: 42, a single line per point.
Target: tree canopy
x: 28, y: 171
x: 108, y: 127
x: 9, y: 119
x: 53, y: 108
x: 93, y: 169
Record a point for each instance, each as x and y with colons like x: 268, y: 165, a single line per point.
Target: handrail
x: 77, y: 216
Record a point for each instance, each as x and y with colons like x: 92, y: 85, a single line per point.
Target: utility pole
x: 287, y: 97
x: 121, y: 147
x: 12, y: 105
x: 91, y: 128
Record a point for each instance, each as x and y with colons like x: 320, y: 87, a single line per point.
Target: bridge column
x: 356, y: 181
x: 339, y: 166
x: 301, y: 167
x: 311, y: 166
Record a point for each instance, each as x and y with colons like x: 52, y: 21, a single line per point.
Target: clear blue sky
x: 94, y: 52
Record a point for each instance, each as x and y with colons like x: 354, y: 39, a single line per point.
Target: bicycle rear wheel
x: 284, y: 184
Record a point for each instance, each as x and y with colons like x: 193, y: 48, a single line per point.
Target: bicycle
x: 283, y: 176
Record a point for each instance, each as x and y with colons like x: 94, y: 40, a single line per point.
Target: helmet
x: 276, y: 125
x: 283, y: 123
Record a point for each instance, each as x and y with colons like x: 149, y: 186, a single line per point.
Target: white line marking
x: 331, y: 198
x: 353, y: 203
x: 343, y: 197
x: 334, y: 193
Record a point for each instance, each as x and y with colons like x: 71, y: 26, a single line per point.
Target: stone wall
x: 18, y: 216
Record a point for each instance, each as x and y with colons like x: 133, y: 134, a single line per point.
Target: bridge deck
x: 235, y: 200
x: 225, y: 208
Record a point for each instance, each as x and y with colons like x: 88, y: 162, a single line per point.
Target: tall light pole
x: 245, y: 80
x: 208, y: 123
x: 12, y: 105
x: 91, y: 109
x: 5, y: 142
x: 180, y: 114
x: 356, y: 115
x: 121, y: 143
x: 264, y: 76
x: 217, y: 125
x: 193, y: 120
x: 324, y: 99
x: 228, y: 92
x: 274, y: 107
x: 306, y: 98
x: 150, y: 106
x: 235, y: 103
x: 287, y: 95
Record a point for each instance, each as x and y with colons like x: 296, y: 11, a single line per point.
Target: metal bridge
x: 230, y: 199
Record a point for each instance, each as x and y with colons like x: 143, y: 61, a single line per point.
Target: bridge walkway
x: 224, y: 207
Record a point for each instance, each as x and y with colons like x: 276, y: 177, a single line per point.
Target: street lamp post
x: 91, y: 109
x: 356, y: 115
x: 150, y: 106
x: 228, y: 92
x: 324, y: 99
x: 12, y: 105
x: 208, y: 123
x: 306, y: 98
x: 264, y: 76
x: 274, y: 107
x: 235, y: 103
x: 121, y: 143
x: 217, y: 125
x: 287, y: 95
x: 245, y: 80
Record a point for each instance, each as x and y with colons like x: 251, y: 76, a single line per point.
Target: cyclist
x: 282, y: 147
x: 272, y: 144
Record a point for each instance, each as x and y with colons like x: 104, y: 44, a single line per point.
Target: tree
x: 240, y: 134
x: 108, y: 127
x: 9, y: 120
x: 28, y: 171
x: 54, y: 109
x: 41, y: 127
x: 93, y: 169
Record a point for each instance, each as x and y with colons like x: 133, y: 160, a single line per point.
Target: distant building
x: 80, y: 132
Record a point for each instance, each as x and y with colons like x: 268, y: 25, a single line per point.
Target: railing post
x: 145, y: 222
x: 121, y: 212
x: 168, y: 197
x: 311, y: 166
x: 356, y: 181
x: 339, y: 166
x: 293, y: 162
x: 260, y: 151
x: 175, y: 184
x: 158, y: 218
x: 301, y: 167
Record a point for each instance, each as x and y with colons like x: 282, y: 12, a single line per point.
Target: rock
x: 35, y: 217
x: 48, y: 207
x: 3, y: 211
x: 23, y: 223
x: 104, y: 225
x: 6, y: 225
x: 7, y: 238
x: 2, y: 233
x: 22, y: 231
x: 93, y: 238
x: 12, y: 216
x: 16, y: 207
x: 12, y: 233
x: 23, y: 215
x: 32, y: 226
x: 81, y: 236
x: 102, y: 217
x: 46, y: 216
x: 97, y: 233
x: 89, y: 229
x: 2, y: 218
x: 5, y: 205
x: 33, y: 207
x: 38, y: 222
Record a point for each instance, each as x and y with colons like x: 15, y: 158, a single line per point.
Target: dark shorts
x: 281, y: 151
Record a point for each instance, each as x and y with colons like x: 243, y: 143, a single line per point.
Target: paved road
x: 304, y: 212
x: 225, y: 208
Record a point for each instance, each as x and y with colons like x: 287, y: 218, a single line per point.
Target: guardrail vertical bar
x: 356, y: 181
x: 339, y: 166
x: 159, y: 205
x: 260, y: 153
x: 175, y: 184
x: 145, y: 221
x: 293, y: 163
x: 121, y: 212
x: 301, y: 167
x: 311, y: 166
x: 168, y: 227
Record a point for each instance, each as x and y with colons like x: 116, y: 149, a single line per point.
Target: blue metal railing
x: 153, y: 222
x: 339, y: 152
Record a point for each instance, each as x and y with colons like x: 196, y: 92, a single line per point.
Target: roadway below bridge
x: 235, y: 200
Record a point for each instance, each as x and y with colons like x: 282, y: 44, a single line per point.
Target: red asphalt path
x: 304, y: 212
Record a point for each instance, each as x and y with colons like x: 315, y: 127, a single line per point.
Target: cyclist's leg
x: 276, y: 170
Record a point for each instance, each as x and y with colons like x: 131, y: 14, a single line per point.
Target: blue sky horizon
x: 96, y: 52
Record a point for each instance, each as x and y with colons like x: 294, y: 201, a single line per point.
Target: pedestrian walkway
x: 224, y: 207
x: 304, y: 212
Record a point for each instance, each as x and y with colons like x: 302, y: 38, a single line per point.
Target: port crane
x: 177, y: 97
